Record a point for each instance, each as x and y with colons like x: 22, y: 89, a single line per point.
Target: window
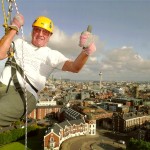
x: 51, y: 139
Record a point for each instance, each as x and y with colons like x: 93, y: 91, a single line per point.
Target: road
x: 103, y: 140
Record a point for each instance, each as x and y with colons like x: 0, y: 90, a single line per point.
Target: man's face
x: 40, y: 36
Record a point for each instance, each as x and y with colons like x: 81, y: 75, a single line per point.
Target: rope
x: 6, y: 18
x: 25, y: 90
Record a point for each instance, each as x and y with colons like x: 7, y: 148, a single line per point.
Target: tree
x: 137, y: 144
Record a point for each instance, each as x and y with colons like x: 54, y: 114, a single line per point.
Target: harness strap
x: 18, y: 88
x: 19, y: 69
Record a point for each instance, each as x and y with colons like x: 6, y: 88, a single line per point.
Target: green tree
x: 138, y: 145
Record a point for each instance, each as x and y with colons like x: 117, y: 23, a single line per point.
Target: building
x: 41, y: 111
x: 60, y: 132
x: 125, y: 122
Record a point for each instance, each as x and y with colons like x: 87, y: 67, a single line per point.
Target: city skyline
x: 121, y: 30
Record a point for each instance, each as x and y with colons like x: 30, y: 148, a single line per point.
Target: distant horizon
x: 102, y: 80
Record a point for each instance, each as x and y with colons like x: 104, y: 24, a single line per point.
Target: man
x: 31, y: 65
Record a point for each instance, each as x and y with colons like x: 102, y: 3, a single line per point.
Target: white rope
x: 25, y: 90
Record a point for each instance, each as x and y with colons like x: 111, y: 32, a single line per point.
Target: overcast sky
x: 121, y: 30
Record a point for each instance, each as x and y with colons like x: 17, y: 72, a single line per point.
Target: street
x: 103, y: 140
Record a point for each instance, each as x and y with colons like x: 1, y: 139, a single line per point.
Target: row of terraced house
x: 75, y: 125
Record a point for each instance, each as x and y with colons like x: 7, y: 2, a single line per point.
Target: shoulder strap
x: 19, y: 69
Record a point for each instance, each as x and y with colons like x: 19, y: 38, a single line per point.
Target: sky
x: 121, y: 30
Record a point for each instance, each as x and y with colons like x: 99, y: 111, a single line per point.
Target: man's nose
x: 41, y: 32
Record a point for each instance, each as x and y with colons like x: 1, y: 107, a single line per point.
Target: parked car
x: 121, y: 142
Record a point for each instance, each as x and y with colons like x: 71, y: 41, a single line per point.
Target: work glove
x: 87, y: 42
x: 17, y: 22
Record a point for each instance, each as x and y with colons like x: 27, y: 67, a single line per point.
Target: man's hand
x: 87, y: 42
x: 17, y: 22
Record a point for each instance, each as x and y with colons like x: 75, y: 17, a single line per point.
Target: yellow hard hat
x: 44, y: 22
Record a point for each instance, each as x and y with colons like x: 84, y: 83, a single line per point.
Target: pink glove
x: 87, y: 42
x: 17, y: 22
x: 90, y: 50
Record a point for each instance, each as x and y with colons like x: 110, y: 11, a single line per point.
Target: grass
x: 34, y: 142
x: 13, y: 146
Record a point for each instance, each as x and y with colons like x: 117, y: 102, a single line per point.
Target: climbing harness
x: 14, y: 68
x: 11, y: 61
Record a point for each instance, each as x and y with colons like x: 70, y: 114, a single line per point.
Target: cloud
x: 68, y: 45
x: 124, y: 63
